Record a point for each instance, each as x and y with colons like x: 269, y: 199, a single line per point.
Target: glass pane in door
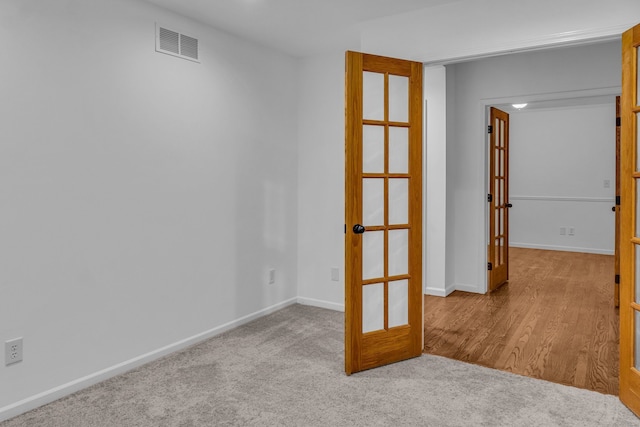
x: 398, y: 252
x: 637, y: 230
x: 372, y: 201
x: 636, y: 326
x: 637, y: 293
x: 398, y: 149
x: 638, y: 144
x: 398, y: 98
x: 398, y: 303
x: 372, y: 307
x: 398, y: 201
x: 372, y: 255
x: 372, y: 149
x: 372, y: 96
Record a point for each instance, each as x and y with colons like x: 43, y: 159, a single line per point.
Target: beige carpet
x: 287, y: 370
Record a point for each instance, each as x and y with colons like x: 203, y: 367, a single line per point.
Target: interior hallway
x: 554, y: 320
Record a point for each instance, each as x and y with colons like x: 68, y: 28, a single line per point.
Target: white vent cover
x: 176, y: 44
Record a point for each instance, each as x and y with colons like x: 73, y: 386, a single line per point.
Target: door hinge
x: 489, y: 198
x: 345, y: 229
x: 489, y: 266
x: 617, y: 200
x: 489, y: 129
x: 618, y: 121
x: 617, y: 279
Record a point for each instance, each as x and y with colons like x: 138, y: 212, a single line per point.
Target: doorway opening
x: 555, y: 319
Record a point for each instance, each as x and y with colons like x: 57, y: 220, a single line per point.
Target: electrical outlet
x: 335, y: 274
x: 272, y: 276
x: 607, y: 183
x: 13, y: 351
x: 563, y: 231
x: 572, y: 231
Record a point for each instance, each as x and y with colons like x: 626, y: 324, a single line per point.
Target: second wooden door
x: 498, y: 198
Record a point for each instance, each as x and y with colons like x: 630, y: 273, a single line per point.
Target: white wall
x: 560, y: 159
x: 524, y: 76
x: 142, y: 197
x: 321, y: 181
x: 435, y: 168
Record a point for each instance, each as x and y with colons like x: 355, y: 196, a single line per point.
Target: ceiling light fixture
x: 519, y: 106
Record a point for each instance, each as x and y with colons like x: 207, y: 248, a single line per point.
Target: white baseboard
x: 562, y: 248
x: 63, y: 390
x: 468, y: 288
x: 320, y: 303
x: 440, y: 292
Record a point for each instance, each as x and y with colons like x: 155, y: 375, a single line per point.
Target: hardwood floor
x: 555, y: 320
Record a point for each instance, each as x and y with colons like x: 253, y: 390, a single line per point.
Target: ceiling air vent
x: 176, y: 44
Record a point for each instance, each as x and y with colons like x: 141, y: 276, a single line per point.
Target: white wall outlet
x: 13, y: 351
x: 572, y: 231
x: 272, y: 276
x: 335, y: 274
x: 563, y: 231
x: 607, y: 183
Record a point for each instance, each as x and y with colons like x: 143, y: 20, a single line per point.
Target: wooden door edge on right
x: 629, y: 243
x: 616, y: 284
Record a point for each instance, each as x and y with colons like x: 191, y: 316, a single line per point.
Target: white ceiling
x: 297, y: 27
